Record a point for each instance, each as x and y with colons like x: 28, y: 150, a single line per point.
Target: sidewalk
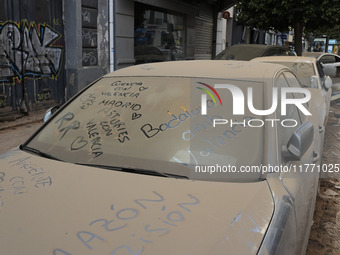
x: 16, y: 119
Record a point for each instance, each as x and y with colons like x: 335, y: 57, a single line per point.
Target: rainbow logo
x: 209, y: 93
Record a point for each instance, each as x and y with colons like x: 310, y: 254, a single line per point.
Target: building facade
x: 32, y: 53
x: 51, y: 49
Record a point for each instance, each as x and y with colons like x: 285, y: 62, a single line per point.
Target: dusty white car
x: 192, y: 157
x: 250, y: 51
x: 310, y: 74
x: 331, y: 65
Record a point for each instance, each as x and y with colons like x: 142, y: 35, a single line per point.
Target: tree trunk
x: 298, y: 29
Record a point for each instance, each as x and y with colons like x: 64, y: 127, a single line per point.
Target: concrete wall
x: 124, y: 33
x: 77, y: 75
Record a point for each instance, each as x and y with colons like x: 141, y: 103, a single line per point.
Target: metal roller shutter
x: 204, y: 33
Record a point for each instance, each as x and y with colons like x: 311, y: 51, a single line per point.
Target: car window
x: 278, y: 52
x: 293, y: 82
x: 292, y: 112
x: 302, y: 70
x: 240, y: 53
x: 153, y: 123
x: 328, y: 59
x: 290, y: 53
x: 320, y: 69
x: 272, y: 52
x: 285, y: 52
x: 248, y: 52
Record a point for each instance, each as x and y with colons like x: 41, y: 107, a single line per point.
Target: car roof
x: 257, y: 46
x: 223, y: 69
x: 285, y: 59
x: 312, y: 54
x: 249, y: 51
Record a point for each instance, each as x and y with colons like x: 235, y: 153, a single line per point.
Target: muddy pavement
x: 325, y: 233
x: 16, y: 135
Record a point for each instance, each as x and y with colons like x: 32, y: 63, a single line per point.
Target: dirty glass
x: 155, y: 124
x: 159, y: 35
x: 292, y: 111
x: 303, y: 71
x: 240, y: 53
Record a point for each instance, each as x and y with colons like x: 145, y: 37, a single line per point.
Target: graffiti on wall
x: 28, y: 50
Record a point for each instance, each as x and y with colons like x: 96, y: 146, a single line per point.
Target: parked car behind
x: 331, y: 66
x: 250, y: 51
x: 134, y: 164
x: 310, y: 74
x: 148, y: 54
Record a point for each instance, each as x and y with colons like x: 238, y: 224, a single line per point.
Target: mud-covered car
x: 250, y: 51
x: 188, y: 157
x: 331, y: 66
x: 310, y: 73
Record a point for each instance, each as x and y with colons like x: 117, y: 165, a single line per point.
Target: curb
x: 15, y: 124
x: 32, y: 118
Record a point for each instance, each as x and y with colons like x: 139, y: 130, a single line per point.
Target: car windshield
x: 154, y: 123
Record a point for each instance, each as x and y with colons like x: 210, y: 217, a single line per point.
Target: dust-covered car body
x: 250, y: 51
x: 130, y: 165
x: 330, y: 61
x: 331, y: 66
x: 310, y: 74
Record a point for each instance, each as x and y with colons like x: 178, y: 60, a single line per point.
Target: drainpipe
x: 111, y: 32
x: 24, y: 104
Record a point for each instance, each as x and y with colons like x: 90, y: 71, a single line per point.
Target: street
x: 325, y: 232
x: 13, y: 137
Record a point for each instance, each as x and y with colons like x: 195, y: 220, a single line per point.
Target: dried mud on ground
x: 325, y: 233
x: 12, y: 137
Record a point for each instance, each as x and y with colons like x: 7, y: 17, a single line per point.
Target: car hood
x: 52, y: 207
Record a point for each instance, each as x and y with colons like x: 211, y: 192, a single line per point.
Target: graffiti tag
x: 27, y: 52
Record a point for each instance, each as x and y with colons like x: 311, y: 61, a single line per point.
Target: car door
x: 326, y: 93
x: 331, y: 66
x: 298, y: 179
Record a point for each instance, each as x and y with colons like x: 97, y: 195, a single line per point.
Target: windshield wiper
x: 38, y: 152
x: 136, y: 171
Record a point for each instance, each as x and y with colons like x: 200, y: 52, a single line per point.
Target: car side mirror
x: 314, y: 82
x: 328, y: 82
x: 299, y: 142
x: 50, y: 112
